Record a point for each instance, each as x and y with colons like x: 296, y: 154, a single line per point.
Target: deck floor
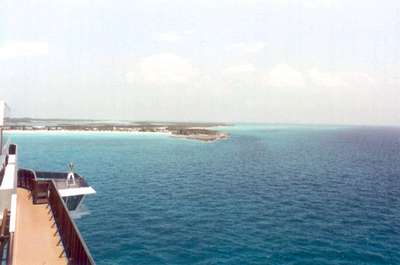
x: 35, y: 241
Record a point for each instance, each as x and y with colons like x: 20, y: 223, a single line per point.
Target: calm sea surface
x: 267, y: 195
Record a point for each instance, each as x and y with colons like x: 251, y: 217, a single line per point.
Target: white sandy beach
x: 60, y: 132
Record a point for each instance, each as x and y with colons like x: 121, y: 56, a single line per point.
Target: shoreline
x: 200, y: 131
x: 80, y: 131
x: 198, y: 137
x: 203, y: 137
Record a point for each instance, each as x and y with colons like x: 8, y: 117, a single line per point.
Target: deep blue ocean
x: 267, y: 195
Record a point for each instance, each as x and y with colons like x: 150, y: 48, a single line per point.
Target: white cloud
x: 23, y: 49
x: 169, y: 37
x: 161, y: 69
x: 393, y: 81
x: 359, y: 79
x: 325, y: 79
x: 188, y: 32
x: 283, y: 75
x: 247, y: 47
x: 349, y: 80
x: 310, y: 3
x: 288, y: 76
x: 241, y: 69
x: 320, y: 3
x: 172, y: 36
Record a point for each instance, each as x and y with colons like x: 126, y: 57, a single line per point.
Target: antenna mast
x: 4, y: 114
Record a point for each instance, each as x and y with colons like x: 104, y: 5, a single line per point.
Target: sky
x: 271, y: 61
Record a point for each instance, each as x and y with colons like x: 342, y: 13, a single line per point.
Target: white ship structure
x: 36, y: 226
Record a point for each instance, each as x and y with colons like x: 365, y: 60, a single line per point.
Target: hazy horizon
x: 328, y: 62
x: 222, y: 123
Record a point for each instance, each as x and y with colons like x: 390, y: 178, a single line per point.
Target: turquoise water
x: 267, y: 195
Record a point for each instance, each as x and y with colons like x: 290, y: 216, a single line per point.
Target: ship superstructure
x: 36, y: 226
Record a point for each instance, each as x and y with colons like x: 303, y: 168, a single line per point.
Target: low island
x: 188, y: 130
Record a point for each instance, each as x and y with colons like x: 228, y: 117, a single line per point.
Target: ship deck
x: 35, y: 239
